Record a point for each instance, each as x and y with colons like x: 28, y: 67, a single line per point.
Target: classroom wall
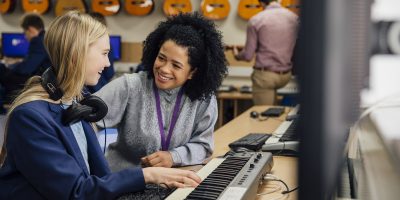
x: 134, y: 30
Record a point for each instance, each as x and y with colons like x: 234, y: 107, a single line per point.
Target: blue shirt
x: 79, y: 134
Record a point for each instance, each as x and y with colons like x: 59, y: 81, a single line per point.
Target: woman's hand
x: 158, y: 159
x: 171, y: 177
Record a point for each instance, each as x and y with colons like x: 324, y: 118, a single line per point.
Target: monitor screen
x: 14, y: 44
x: 115, y: 42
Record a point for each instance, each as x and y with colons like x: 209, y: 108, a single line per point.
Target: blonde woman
x: 48, y: 157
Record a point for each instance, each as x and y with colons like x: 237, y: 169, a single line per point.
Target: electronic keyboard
x: 234, y: 177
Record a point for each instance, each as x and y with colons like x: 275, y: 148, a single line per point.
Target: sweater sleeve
x: 116, y: 95
x: 201, y: 143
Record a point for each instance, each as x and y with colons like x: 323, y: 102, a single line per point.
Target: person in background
x: 51, y: 152
x: 2, y: 101
x: 13, y: 76
x: 166, y: 114
x: 271, y: 37
x: 109, y: 72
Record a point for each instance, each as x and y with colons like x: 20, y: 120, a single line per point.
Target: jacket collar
x: 55, y: 108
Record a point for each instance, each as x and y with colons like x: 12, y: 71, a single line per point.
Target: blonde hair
x: 67, y: 42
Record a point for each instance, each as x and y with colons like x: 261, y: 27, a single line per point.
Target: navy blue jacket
x: 36, y: 60
x: 44, y: 160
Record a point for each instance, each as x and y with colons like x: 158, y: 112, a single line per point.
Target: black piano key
x: 212, y: 186
x: 217, y: 181
x: 203, y: 195
x: 290, y: 133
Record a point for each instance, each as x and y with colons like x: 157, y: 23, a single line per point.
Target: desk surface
x: 284, y: 167
x: 234, y: 95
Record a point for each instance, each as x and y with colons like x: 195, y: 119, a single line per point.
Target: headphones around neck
x: 91, y: 108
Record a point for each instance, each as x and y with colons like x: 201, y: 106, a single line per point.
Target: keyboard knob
x: 256, y: 160
x: 251, y: 166
x: 259, y: 155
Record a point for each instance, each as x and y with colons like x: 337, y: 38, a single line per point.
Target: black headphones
x: 91, y: 108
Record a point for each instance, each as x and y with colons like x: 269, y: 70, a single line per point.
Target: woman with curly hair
x: 166, y: 114
x: 48, y: 156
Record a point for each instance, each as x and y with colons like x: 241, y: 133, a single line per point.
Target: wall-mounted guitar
x: 249, y: 8
x: 215, y: 9
x: 139, y: 7
x: 174, y: 7
x: 37, y: 6
x: 106, y: 7
x: 293, y: 5
x: 7, y: 6
x: 63, y: 6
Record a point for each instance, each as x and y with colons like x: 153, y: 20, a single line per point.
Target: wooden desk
x: 284, y: 167
x: 235, y: 96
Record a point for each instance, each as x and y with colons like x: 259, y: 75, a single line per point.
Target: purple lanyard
x: 175, y: 115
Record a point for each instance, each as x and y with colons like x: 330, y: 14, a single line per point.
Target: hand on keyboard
x: 171, y: 177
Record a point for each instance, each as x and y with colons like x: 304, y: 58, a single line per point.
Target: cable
x: 271, y: 192
x: 275, y: 189
x: 270, y: 177
x: 105, y: 137
x: 281, y: 150
x: 379, y: 105
x: 279, y: 180
x: 289, y: 191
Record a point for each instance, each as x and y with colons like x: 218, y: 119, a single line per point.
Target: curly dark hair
x: 205, y: 52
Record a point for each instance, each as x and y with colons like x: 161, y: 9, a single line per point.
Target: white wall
x: 135, y: 28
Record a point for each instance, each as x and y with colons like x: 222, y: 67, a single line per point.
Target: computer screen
x: 333, y: 61
x: 115, y: 42
x: 14, y: 44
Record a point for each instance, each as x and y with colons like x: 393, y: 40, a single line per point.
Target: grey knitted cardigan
x: 132, y: 109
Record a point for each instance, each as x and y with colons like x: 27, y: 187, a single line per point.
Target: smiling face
x: 97, y: 59
x: 171, y: 68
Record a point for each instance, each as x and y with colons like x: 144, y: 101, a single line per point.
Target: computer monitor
x: 333, y: 57
x: 115, y: 42
x: 14, y: 44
